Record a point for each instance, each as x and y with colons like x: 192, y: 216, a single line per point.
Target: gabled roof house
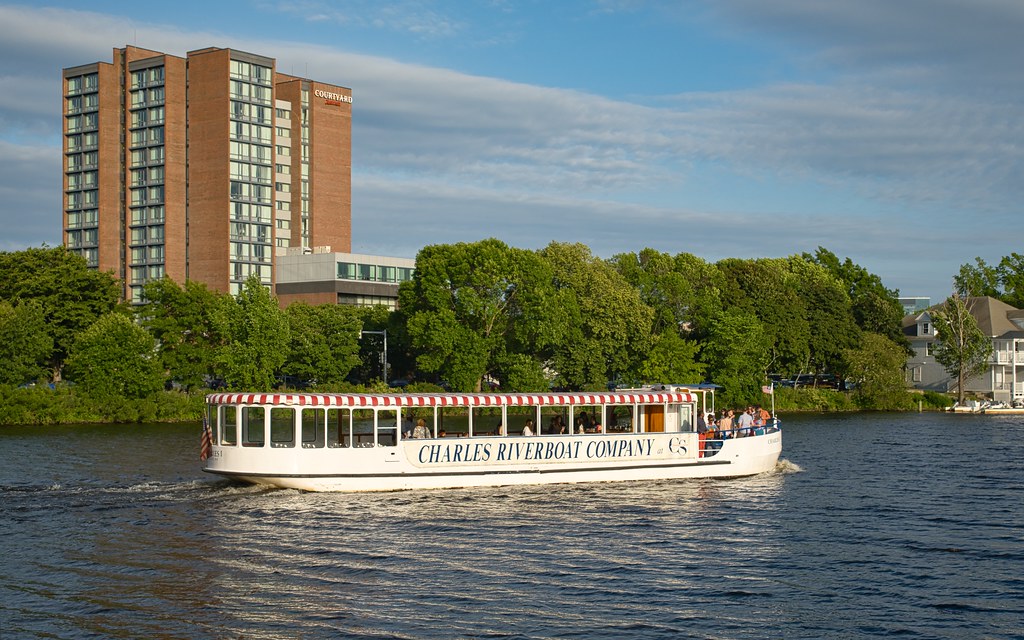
x: 1002, y: 323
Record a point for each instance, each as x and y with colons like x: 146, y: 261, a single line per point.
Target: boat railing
x: 713, y: 441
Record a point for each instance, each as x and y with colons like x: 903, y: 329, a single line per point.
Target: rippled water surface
x: 903, y: 525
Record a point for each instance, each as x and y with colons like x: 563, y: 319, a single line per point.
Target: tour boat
x: 388, y: 442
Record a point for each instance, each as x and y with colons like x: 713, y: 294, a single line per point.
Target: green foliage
x: 608, y: 330
x: 876, y: 367
x: 190, y: 324
x: 67, y: 405
x: 979, y: 280
x: 936, y: 400
x: 672, y: 359
x: 324, y: 342
x: 828, y: 313
x: 71, y: 295
x: 423, y: 387
x: 736, y: 352
x: 963, y: 350
x: 1004, y: 281
x: 875, y: 308
x: 821, y: 400
x: 473, y: 311
x: 258, y: 339
x: 522, y: 372
x: 767, y: 290
x: 25, y: 345
x: 42, y: 405
x: 682, y: 290
x: 115, y: 359
x: 469, y: 305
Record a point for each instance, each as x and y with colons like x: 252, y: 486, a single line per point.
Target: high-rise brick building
x: 204, y: 167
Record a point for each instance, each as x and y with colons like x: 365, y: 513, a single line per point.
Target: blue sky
x: 887, y: 132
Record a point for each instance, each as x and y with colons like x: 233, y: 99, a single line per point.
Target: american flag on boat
x: 206, y: 443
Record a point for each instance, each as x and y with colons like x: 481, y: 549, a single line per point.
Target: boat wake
x: 786, y: 467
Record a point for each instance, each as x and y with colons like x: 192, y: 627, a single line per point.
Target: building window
x: 929, y: 349
x: 916, y: 374
x: 926, y: 329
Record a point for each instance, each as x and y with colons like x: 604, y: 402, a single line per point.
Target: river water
x: 879, y: 524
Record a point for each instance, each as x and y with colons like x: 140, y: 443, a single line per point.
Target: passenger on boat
x: 421, y: 430
x: 764, y: 415
x: 746, y: 423
x: 442, y: 433
x: 528, y: 428
x: 725, y: 424
x: 556, y: 426
x: 711, y: 439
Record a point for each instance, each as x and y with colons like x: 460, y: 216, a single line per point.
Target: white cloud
x: 445, y: 156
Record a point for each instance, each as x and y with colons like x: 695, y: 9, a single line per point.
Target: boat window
x: 339, y: 428
x: 411, y: 415
x: 313, y: 428
x: 517, y: 417
x: 685, y: 417
x: 253, y: 426
x: 362, y: 427
x: 282, y: 427
x: 486, y: 421
x: 387, y: 428
x: 588, y: 418
x: 619, y: 419
x: 554, y: 420
x: 228, y: 425
x: 453, y: 420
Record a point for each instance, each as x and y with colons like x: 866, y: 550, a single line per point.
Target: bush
x: 935, y: 400
x: 66, y: 405
x: 824, y: 400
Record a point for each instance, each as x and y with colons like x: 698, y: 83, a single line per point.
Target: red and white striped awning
x: 450, y: 399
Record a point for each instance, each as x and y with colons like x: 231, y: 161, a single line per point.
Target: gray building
x: 341, y: 278
x: 1002, y: 323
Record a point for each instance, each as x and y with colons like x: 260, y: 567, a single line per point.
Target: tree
x: 190, y: 324
x: 324, y: 342
x: 876, y: 368
x: 470, y: 305
x: 767, y: 290
x: 977, y: 281
x: 736, y: 354
x: 683, y: 291
x: 115, y: 359
x: 71, y: 295
x: 1004, y: 281
x: 607, y: 330
x: 25, y: 345
x: 672, y: 359
x: 875, y: 307
x: 1011, y: 277
x: 827, y: 309
x: 258, y: 339
x: 963, y: 350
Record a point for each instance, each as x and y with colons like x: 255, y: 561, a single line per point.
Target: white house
x: 1002, y: 323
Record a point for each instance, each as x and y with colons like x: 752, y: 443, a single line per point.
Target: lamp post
x: 384, y: 353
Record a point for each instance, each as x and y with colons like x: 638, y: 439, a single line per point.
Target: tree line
x: 484, y: 311
x: 475, y: 315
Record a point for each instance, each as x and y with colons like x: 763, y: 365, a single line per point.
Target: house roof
x: 995, y: 318
x: 991, y: 315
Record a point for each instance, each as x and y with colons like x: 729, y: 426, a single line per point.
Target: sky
x: 886, y: 131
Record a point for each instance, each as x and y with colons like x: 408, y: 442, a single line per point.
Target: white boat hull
x: 497, y: 461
